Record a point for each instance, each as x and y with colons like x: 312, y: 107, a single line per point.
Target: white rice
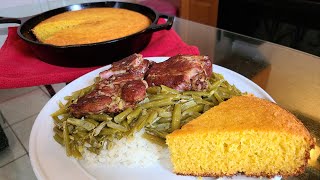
x: 132, y: 152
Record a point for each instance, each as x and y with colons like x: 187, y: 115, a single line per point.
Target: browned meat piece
x: 122, y: 86
x: 134, y: 91
x: 181, y: 72
x: 134, y: 65
x: 110, y: 98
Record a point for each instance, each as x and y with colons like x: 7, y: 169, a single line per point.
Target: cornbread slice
x: 245, y: 135
x: 90, y: 26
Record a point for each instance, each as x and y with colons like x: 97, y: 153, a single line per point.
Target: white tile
x: 23, y: 129
x: 6, y: 94
x: 56, y: 87
x: 14, y: 151
x: 22, y: 107
x: 19, y: 169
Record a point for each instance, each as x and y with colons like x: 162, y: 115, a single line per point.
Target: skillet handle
x: 167, y: 25
x: 4, y: 20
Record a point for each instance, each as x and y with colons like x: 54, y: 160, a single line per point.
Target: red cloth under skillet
x: 20, y: 68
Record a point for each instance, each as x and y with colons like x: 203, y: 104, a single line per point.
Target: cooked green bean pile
x: 163, y: 111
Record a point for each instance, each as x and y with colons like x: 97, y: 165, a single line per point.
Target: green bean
x: 56, y: 120
x: 75, y: 152
x: 206, y: 107
x: 61, y: 105
x: 165, y: 114
x: 125, y: 124
x: 58, y: 139
x: 110, y: 144
x: 76, y: 137
x: 70, y: 128
x: 154, y: 139
x: 158, y: 109
x: 65, y: 117
x: 59, y: 112
x: 217, y: 83
x: 92, y: 121
x: 196, y: 93
x: 152, y: 116
x: 58, y: 131
x: 134, y: 114
x: 164, y: 120
x: 142, y: 120
x: 82, y: 123
x: 176, y: 117
x: 118, y: 135
x: 153, y: 90
x: 163, y: 126
x: 199, y: 100
x: 108, y: 131
x: 94, y: 150
x: 162, y: 96
x: 66, y: 139
x: 188, y: 105
x: 100, y: 117
x: 81, y: 134
x: 98, y: 129
x: 158, y: 103
x: 123, y: 115
x: 196, y: 108
x: 155, y: 132
x: 193, y: 114
x: 217, y: 96
x: 185, y: 97
x: 83, y: 91
x: 116, y: 126
x: 165, y: 89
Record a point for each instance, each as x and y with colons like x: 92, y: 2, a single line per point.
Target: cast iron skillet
x: 94, y: 54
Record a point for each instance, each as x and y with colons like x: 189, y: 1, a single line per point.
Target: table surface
x: 291, y: 77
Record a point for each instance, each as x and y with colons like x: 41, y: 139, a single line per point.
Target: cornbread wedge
x: 245, y: 135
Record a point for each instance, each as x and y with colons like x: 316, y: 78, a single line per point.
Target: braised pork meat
x: 181, y: 72
x: 120, y: 87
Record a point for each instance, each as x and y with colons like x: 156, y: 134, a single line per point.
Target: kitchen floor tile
x: 19, y: 169
x: 56, y: 87
x: 14, y: 151
x: 6, y: 94
x: 23, y: 130
x: 22, y: 107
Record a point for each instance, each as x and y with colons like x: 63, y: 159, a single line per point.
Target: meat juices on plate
x: 181, y: 72
x: 122, y: 86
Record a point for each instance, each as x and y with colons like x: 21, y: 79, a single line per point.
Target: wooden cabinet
x: 202, y: 11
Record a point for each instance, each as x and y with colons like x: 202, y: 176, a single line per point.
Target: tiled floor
x: 20, y: 108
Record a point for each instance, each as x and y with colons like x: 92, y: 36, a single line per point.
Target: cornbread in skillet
x: 245, y: 135
x: 90, y: 26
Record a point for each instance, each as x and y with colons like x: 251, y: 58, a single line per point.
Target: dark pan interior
x: 25, y: 28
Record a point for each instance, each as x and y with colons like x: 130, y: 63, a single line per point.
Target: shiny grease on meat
x: 122, y: 86
x: 181, y: 72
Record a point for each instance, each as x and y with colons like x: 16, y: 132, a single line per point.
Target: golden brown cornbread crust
x: 90, y: 26
x: 262, y: 116
x: 274, y: 119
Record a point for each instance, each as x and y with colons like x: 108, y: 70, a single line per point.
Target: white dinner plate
x: 49, y: 160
